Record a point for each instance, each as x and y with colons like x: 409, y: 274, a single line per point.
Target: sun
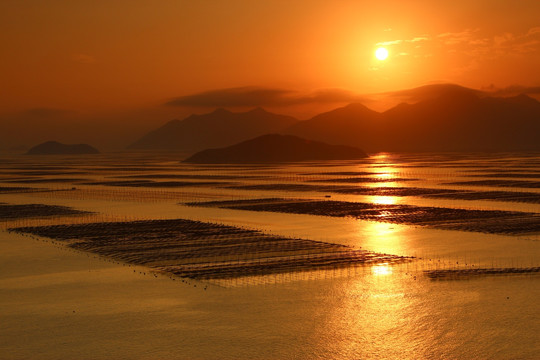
x: 381, y: 53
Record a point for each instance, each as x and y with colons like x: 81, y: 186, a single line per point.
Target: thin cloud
x: 392, y: 42
x: 241, y: 96
x: 533, y: 31
x: 328, y: 96
x: 401, y: 41
x: 451, y: 38
x: 498, y: 45
x: 260, y: 96
x: 473, y: 47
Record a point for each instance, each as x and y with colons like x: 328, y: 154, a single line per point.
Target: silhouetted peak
x: 356, y: 107
x: 438, y: 92
x: 258, y: 110
x: 221, y: 111
x: 524, y: 99
x: 353, y: 110
x: 442, y: 89
x: 403, y: 106
x: 451, y: 97
x: 523, y: 96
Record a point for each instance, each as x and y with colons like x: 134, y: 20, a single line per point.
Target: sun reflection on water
x: 382, y: 269
x: 385, y: 175
x: 380, y: 157
x: 375, y: 307
x: 384, y: 200
x: 382, y: 237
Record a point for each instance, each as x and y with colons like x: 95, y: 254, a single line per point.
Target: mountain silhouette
x: 463, y: 122
x: 56, y: 148
x: 453, y: 119
x: 432, y: 91
x: 274, y: 148
x: 216, y: 129
x: 353, y: 124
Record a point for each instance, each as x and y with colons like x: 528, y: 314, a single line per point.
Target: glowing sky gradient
x: 119, y: 55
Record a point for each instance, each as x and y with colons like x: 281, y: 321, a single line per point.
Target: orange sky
x: 119, y: 55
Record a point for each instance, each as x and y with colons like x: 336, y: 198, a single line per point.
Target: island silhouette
x: 275, y: 148
x: 56, y: 148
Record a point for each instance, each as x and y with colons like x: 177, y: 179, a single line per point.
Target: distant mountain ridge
x: 56, y: 148
x: 455, y: 119
x: 275, y: 148
x: 216, y: 129
x: 436, y: 117
x: 464, y: 122
x: 441, y: 117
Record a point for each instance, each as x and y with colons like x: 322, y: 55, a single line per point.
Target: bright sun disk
x: 381, y: 53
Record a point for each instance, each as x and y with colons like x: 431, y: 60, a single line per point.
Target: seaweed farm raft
x: 23, y: 211
x: 484, y: 221
x: 206, y: 251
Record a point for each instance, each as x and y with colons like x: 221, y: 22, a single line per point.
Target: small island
x: 274, y: 148
x: 56, y: 148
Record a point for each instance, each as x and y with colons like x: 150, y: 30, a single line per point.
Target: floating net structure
x: 207, y: 251
x: 484, y: 221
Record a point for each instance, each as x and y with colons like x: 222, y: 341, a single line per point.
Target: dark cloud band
x: 260, y: 96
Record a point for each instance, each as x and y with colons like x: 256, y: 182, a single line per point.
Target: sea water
x: 59, y: 303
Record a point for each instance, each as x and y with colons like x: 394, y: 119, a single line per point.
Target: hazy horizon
x: 115, y: 131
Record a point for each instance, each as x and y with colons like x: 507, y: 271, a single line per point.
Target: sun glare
x: 381, y: 53
x: 381, y: 269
